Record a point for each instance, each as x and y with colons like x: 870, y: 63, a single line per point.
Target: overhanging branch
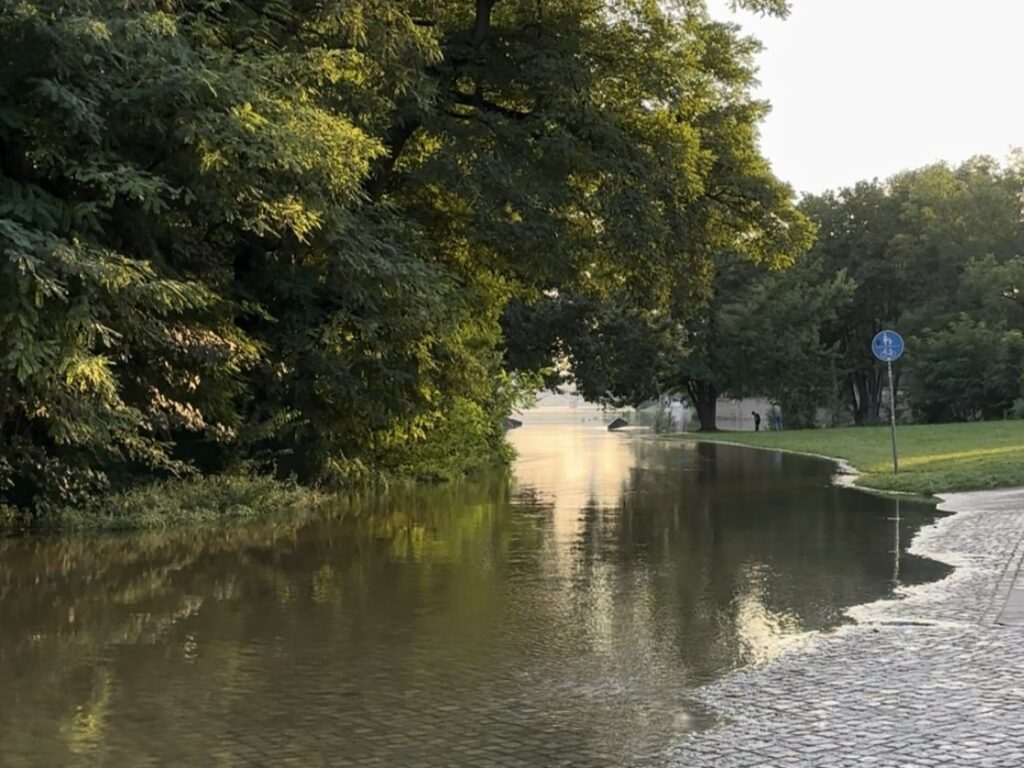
x: 479, y: 102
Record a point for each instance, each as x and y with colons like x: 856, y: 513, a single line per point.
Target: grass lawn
x: 933, y: 457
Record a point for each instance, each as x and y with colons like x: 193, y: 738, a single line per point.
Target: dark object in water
x: 618, y: 423
x: 510, y: 423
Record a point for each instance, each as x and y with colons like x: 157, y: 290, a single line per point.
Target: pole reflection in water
x: 568, y: 611
x: 896, y: 549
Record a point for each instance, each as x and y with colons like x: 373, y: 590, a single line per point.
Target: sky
x: 866, y: 88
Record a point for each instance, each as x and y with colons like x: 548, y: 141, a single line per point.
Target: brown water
x: 563, y: 618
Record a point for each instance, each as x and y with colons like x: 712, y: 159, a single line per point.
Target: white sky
x: 866, y: 88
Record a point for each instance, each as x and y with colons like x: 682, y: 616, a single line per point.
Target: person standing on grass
x: 757, y: 420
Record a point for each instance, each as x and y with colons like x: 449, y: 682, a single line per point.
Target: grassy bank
x: 215, y: 500
x: 933, y: 457
x: 173, y: 503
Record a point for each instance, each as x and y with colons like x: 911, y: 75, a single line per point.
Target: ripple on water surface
x: 560, y: 617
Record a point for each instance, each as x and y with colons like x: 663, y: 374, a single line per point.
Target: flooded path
x: 562, y: 616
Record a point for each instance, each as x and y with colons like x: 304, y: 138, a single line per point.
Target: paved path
x: 933, y: 679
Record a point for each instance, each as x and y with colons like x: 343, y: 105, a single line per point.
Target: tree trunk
x: 705, y: 400
x: 866, y: 397
x: 858, y: 401
x: 875, y: 380
x: 481, y: 22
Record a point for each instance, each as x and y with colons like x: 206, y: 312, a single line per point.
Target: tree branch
x: 408, y: 120
x: 395, y: 139
x: 478, y: 101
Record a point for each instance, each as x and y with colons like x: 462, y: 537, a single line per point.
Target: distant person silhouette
x: 757, y: 420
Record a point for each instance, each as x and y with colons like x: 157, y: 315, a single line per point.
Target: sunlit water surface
x: 561, y: 618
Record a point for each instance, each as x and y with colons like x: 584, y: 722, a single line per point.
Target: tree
x: 621, y: 354
x: 781, y: 338
x: 907, y: 244
x: 619, y: 333
x: 965, y: 371
x: 993, y: 291
x: 855, y: 229
x: 764, y: 332
x: 194, y: 277
x: 282, y: 234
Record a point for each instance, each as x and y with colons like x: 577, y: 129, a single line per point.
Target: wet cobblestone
x: 928, y: 679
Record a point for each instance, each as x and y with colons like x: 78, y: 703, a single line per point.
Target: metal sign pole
x: 888, y: 346
x: 892, y: 420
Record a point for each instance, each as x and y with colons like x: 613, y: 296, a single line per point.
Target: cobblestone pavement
x: 932, y: 679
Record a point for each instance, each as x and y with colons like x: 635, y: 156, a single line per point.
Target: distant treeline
x: 935, y: 253
x: 938, y: 254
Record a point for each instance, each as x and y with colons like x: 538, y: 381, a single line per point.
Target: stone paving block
x: 926, y: 679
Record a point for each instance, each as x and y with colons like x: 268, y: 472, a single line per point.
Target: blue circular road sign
x: 887, y: 346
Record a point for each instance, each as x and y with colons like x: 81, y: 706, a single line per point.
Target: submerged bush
x: 201, y: 500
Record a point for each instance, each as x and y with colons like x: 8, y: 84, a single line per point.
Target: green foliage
x: 621, y: 354
x: 965, y: 371
x: 281, y: 235
x: 467, y: 436
x: 934, y: 253
x: 778, y: 332
x: 463, y: 439
x: 921, y: 248
x: 199, y: 501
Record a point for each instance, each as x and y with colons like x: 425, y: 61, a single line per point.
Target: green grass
x: 933, y: 457
x: 171, y: 503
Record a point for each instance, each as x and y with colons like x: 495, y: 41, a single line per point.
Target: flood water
x: 563, y: 617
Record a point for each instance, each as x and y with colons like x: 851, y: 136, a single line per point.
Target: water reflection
x: 557, y: 618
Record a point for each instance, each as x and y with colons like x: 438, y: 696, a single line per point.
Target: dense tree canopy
x: 763, y: 332
x: 937, y: 253
x: 282, y: 233
x: 934, y: 253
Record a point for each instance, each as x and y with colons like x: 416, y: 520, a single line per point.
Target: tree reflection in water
x: 568, y: 607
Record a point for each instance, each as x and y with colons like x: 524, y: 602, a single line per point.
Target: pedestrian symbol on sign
x: 887, y: 346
